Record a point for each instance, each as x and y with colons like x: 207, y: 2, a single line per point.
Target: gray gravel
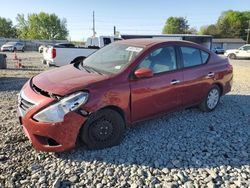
x: 184, y: 149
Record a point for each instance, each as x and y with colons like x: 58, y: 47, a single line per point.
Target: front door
x: 160, y: 93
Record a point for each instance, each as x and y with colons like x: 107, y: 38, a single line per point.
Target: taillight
x: 53, y: 53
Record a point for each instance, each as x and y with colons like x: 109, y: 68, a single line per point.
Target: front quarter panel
x: 111, y: 93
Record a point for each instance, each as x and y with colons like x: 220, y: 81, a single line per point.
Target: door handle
x: 173, y: 82
x: 210, y: 74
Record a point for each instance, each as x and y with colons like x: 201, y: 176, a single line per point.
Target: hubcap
x: 232, y: 56
x: 213, y: 98
x: 102, y: 130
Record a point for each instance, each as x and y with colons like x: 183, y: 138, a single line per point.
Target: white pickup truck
x: 59, y: 55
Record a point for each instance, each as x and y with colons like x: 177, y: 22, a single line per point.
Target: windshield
x: 112, y: 58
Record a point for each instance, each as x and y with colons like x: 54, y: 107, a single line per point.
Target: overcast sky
x: 129, y: 17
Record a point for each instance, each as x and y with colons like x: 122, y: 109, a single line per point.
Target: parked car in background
x: 66, y: 53
x: 120, y: 84
x: 13, y: 46
x: 218, y: 50
x: 242, y: 53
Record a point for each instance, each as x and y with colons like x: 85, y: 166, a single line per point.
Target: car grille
x: 40, y: 91
x: 24, y: 105
x: 44, y: 93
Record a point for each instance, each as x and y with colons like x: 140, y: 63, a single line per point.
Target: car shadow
x: 12, y: 83
x: 185, y: 139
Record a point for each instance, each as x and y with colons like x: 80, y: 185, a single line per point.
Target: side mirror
x: 143, y: 73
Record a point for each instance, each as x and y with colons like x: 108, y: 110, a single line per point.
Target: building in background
x: 228, y: 43
x: 204, y: 40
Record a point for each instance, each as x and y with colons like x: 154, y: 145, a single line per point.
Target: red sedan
x: 120, y: 84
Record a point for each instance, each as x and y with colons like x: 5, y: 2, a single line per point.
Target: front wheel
x: 103, y: 129
x: 232, y: 56
x: 212, y: 99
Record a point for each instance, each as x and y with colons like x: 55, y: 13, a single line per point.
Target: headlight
x: 57, y: 111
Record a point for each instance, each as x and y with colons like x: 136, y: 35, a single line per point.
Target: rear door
x: 196, y: 74
x: 160, y: 93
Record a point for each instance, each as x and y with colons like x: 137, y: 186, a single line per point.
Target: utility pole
x: 114, y: 30
x: 248, y: 32
x: 94, y: 24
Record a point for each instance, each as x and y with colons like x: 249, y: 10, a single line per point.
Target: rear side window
x: 204, y: 56
x: 193, y: 56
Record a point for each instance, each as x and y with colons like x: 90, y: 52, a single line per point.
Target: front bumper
x: 50, y: 137
x: 7, y: 49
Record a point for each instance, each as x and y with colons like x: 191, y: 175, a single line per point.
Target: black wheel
x: 103, y: 129
x: 78, y: 60
x: 212, y: 99
x: 232, y: 56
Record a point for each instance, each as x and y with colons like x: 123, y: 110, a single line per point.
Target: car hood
x: 65, y: 80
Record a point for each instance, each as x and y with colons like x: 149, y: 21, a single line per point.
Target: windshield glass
x: 112, y: 58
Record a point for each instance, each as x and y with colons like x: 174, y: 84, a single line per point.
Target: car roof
x: 11, y: 42
x: 14, y: 42
x: 144, y: 42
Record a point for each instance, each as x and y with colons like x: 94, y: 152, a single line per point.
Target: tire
x: 212, y: 99
x: 78, y: 60
x: 103, y: 129
x: 232, y: 56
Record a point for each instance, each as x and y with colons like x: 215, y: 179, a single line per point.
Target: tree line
x: 230, y: 24
x: 41, y: 26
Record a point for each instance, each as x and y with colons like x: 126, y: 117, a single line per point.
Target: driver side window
x: 246, y: 48
x: 160, y: 60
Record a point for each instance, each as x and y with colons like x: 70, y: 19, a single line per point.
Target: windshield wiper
x: 83, y: 67
x: 94, y: 70
x: 90, y: 69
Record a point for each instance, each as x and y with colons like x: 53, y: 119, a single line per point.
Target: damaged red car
x: 123, y: 83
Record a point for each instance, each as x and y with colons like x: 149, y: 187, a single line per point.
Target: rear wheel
x: 212, y: 99
x: 103, y: 129
x: 232, y: 56
x: 78, y: 60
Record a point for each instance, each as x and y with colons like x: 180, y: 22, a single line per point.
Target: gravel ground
x: 184, y: 149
